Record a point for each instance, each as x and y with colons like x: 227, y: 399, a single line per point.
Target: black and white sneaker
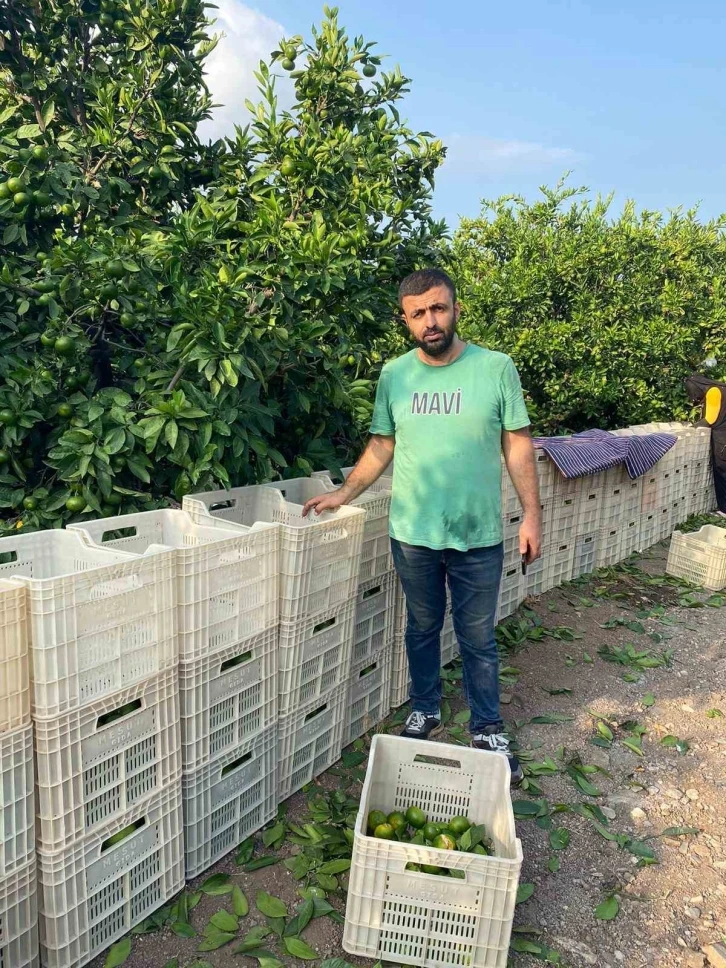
x: 493, y: 740
x: 421, y: 726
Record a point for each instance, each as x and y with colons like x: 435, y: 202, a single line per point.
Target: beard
x: 441, y: 346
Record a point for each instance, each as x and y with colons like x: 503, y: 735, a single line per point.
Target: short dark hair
x: 419, y: 282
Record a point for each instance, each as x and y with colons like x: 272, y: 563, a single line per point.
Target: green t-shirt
x: 448, y: 422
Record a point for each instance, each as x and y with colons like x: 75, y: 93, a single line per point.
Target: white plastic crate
x: 375, y: 557
x: 511, y: 590
x: 630, y: 538
x: 699, y: 442
x: 319, y: 556
x: 680, y: 481
x: 400, y: 675
x: 369, y: 695
x: 649, y: 524
x: 17, y: 814
x: 19, y: 919
x: 93, y: 893
x: 227, y: 580
x: 615, y: 476
x: 98, y: 620
x: 679, y: 511
x: 650, y: 490
x: 700, y: 557
x: 314, y: 656
x: 589, y: 506
x: 547, y: 475
x: 563, y: 513
x: 228, y: 698
x: 228, y: 799
x: 667, y: 484
x: 610, y: 545
x: 621, y: 501
x: 536, y: 578
x: 665, y: 522
x: 96, y: 763
x: 374, y: 617
x: 422, y: 919
x: 560, y: 561
x: 511, y: 524
x: 584, y: 560
x: 14, y: 682
x: 310, y: 740
x: 701, y: 474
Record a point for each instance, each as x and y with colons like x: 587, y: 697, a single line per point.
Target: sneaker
x: 421, y: 726
x: 493, y: 740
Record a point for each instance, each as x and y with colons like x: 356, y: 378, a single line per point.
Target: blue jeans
x: 474, y: 577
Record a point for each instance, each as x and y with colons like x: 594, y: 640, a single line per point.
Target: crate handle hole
x: 316, y: 712
x: 454, y: 872
x: 437, y: 761
x: 120, y: 713
x: 117, y: 533
x: 235, y: 764
x: 7, y: 557
x: 235, y: 661
x: 368, y: 669
x: 322, y: 626
x: 371, y: 592
x: 222, y: 505
x: 123, y: 834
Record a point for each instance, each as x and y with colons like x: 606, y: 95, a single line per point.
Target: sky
x: 627, y: 96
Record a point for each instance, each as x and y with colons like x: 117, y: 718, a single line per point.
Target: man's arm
x: 372, y: 463
x: 519, y: 458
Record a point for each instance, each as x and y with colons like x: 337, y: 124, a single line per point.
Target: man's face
x: 431, y: 319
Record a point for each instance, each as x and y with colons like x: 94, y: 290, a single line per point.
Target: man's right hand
x: 325, y: 502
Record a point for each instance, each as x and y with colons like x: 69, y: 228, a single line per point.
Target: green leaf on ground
x: 240, y: 904
x: 299, y: 949
x: 183, y: 930
x: 463, y: 716
x: 524, y: 892
x: 648, y: 699
x: 275, y: 835
x: 270, y: 906
x: 559, y: 838
x: 551, y: 719
x: 118, y: 954
x: 554, y: 864
x: 302, y: 918
x: 259, y: 862
x: 714, y: 714
x: 224, y: 921
x: 608, y: 909
x: 245, y: 851
x: 679, y: 831
x: 217, y: 884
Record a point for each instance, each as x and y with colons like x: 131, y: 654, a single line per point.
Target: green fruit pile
x: 413, y: 827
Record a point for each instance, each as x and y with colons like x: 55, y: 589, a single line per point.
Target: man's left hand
x: 530, y: 539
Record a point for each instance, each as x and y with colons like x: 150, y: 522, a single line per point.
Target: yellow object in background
x: 712, y: 405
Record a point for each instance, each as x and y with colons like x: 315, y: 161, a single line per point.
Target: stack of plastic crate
x: 369, y: 680
x: 227, y: 582
x: 564, y: 512
x: 105, y: 705
x: 700, y: 493
x: 18, y: 900
x: 588, y: 521
x: 319, y: 568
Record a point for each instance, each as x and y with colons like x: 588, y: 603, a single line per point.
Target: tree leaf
x: 463, y: 716
x: 273, y: 834
x: 551, y: 719
x: 299, y: 949
x: 327, y: 882
x: 648, y: 699
x: 524, y: 892
x: 259, y: 862
x: 304, y: 915
x: 224, y: 921
x: 335, y: 866
x: 217, y: 884
x: 559, y: 838
x: 607, y: 909
x: 118, y: 953
x: 183, y: 930
x: 270, y: 906
x: 554, y: 864
x: 240, y: 904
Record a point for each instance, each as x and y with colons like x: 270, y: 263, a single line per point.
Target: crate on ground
x: 630, y: 538
x: 680, y: 481
x: 665, y: 522
x: 560, y: 558
x: 699, y: 557
x: 227, y: 580
x: 319, y: 555
x: 590, y: 506
x: 99, y: 620
x: 511, y: 590
x: 314, y: 657
x: 666, y: 491
x: 650, y: 491
x: 411, y: 917
x: 369, y: 695
x: 14, y: 681
x: 93, y: 893
x: 621, y: 501
x: 375, y: 559
x: 648, y: 534
x: 374, y: 617
x: 227, y: 799
x: 311, y: 739
x: 584, y: 560
x: 228, y: 698
x: 615, y: 476
x: 563, y: 515
x: 19, y: 918
x: 400, y: 674
x: 17, y: 813
x: 701, y: 474
x: 679, y: 511
x: 96, y: 763
x: 609, y: 546
x: 535, y: 580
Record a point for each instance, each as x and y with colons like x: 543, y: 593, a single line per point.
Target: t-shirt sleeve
x: 513, y: 408
x: 382, y: 422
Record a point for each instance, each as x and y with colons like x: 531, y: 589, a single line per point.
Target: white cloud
x: 479, y: 154
x: 248, y: 37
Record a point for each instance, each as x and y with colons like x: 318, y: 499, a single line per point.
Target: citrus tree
x: 604, y: 316
x: 175, y: 315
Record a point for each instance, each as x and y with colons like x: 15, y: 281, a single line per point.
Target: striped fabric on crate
x: 593, y: 451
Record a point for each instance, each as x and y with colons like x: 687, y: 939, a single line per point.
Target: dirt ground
x: 667, y: 904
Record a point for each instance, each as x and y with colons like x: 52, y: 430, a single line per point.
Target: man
x: 711, y: 394
x: 448, y: 407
